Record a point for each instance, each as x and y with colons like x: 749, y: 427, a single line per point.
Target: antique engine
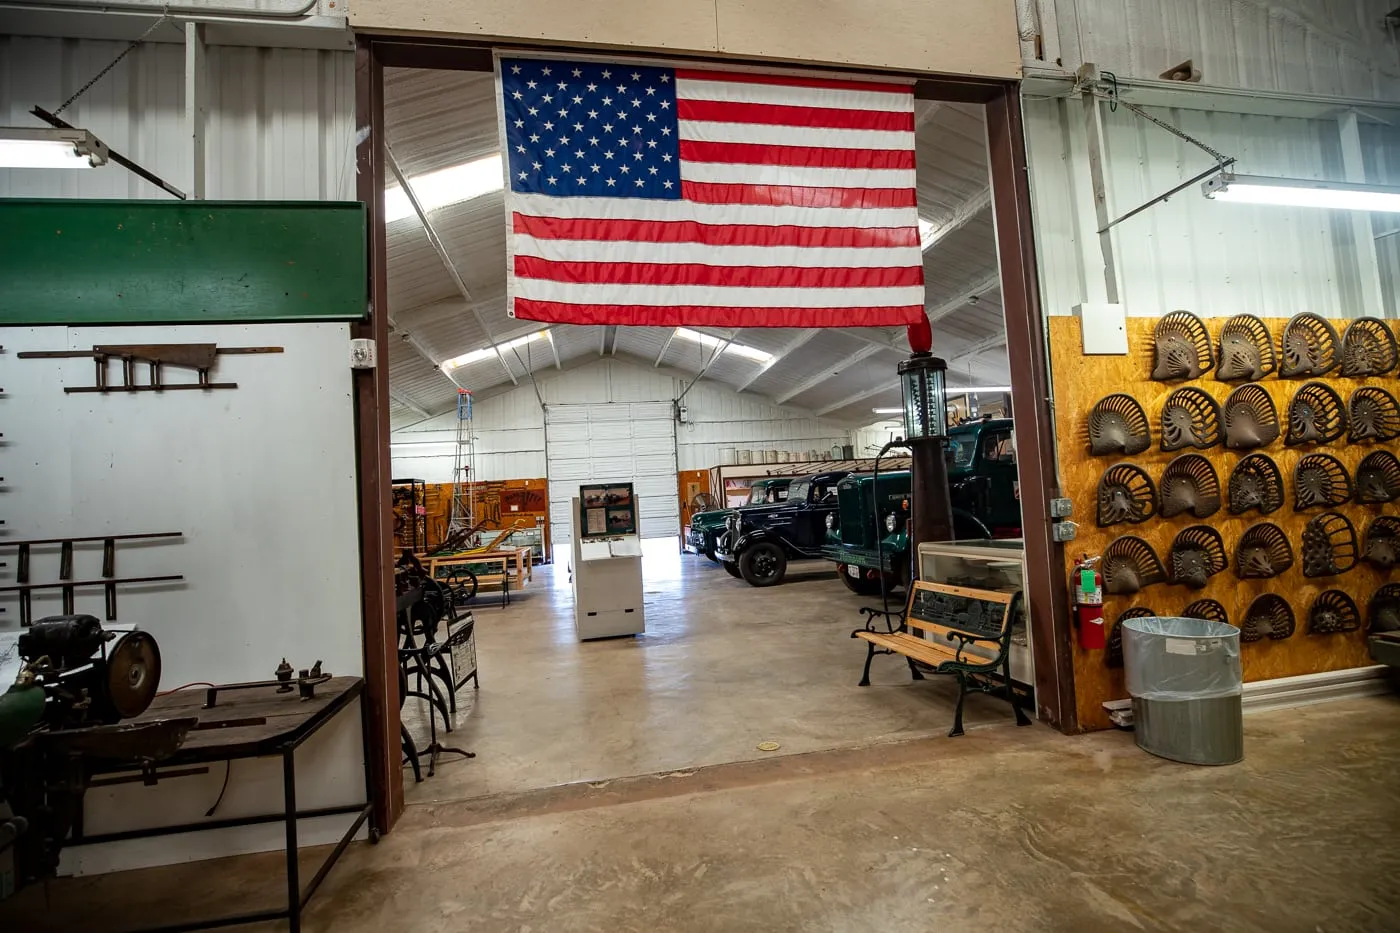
x: 76, y: 681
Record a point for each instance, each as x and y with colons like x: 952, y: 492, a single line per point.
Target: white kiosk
x: 607, y: 562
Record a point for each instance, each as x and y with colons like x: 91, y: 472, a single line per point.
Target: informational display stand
x: 607, y: 562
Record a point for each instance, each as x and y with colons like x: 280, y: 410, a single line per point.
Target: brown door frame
x: 1030, y: 396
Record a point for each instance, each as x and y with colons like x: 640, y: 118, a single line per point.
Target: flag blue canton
x: 591, y: 129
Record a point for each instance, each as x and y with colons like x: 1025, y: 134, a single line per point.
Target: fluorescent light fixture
x: 486, y: 353
x: 888, y: 411
x: 446, y: 186
x: 709, y: 342
x: 926, y: 229
x: 1301, y: 192
x: 22, y: 147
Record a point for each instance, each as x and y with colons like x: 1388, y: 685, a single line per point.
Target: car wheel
x: 711, y: 555
x: 861, y: 586
x: 733, y: 569
x: 763, y: 564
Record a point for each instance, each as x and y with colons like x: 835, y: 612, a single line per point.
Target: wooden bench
x: 951, y: 630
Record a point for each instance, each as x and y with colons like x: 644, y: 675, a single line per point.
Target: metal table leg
x: 289, y: 791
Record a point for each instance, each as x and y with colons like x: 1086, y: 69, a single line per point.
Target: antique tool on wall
x: 1378, y: 478
x: 1373, y: 414
x: 1117, y: 424
x: 1190, y: 418
x: 1197, y: 554
x: 1255, y: 483
x: 1263, y: 551
x: 1333, y: 611
x: 200, y: 357
x: 1309, y: 346
x: 1246, y: 350
x: 1269, y: 616
x: 66, y: 584
x: 1190, y: 484
x: 1320, y: 480
x: 1383, y: 542
x: 1207, y: 610
x: 1329, y: 545
x: 1113, y: 655
x: 76, y: 682
x: 1368, y: 348
x: 1383, y: 611
x: 1181, y: 348
x: 1251, y: 420
x: 1129, y: 564
x: 1126, y: 494
x: 1315, y: 415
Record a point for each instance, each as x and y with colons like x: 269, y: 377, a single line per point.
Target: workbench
x: 257, y: 722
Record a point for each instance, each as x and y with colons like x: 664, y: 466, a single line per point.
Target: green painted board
x: 181, y: 262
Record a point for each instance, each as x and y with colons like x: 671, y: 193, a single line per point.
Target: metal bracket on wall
x: 66, y: 584
x: 200, y: 357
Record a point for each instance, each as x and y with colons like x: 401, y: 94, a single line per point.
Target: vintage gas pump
x: 1086, y: 585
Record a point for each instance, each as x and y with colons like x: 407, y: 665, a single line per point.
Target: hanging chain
x: 1112, y: 97
x: 164, y: 17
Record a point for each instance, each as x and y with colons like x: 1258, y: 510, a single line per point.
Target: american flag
x: 668, y: 196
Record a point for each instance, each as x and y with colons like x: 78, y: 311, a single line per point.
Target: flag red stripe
x: 714, y: 316
x: 685, y: 273
x: 793, y: 81
x: 795, y: 196
x: 804, y: 156
x: 688, y: 231
x: 723, y: 111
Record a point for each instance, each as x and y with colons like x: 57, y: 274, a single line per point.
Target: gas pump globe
x: 921, y: 379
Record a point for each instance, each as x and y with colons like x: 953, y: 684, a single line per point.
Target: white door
x: 627, y: 442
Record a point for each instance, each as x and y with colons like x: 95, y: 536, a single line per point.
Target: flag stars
x: 581, y: 180
x: 665, y: 157
x: 595, y: 168
x: 562, y: 86
x: 548, y: 98
x: 518, y: 96
x: 563, y: 140
x: 651, y: 144
x: 592, y: 88
x: 665, y: 131
x: 612, y: 182
x: 578, y: 73
x: 621, y: 116
x: 665, y: 105
x: 636, y: 102
x: 622, y: 89
x: 666, y: 184
x: 623, y: 169
x: 563, y: 114
x: 607, y: 74
x: 552, y: 180
x: 578, y: 127
x: 545, y: 71
x: 547, y: 125
x: 534, y: 137
x: 578, y: 99
x: 566, y: 168
x: 608, y: 155
x: 636, y: 129
x: 651, y: 118
x: 549, y: 153
x: 533, y: 112
x: 636, y: 77
x: 592, y: 114
x: 638, y: 155
x: 537, y: 166
x: 607, y: 127
x: 578, y: 153
x: 651, y: 92
x: 665, y: 79
x: 607, y: 101
x: 519, y: 124
x: 520, y: 149
x: 593, y: 140
x: 653, y: 169
x: 639, y: 183
x: 531, y: 85
x: 524, y: 175
x: 515, y: 69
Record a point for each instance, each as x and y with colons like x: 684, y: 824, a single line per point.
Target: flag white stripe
x: 590, y: 293
x: 579, y: 207
x: 735, y: 173
x: 886, y: 257
x: 787, y: 96
x: 810, y: 136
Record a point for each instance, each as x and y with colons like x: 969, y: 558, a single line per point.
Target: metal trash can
x: 1186, y: 684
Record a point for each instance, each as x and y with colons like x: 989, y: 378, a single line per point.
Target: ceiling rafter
x: 859, y: 396
x: 776, y: 358
x: 965, y: 297
x: 437, y: 244
x: 664, y: 347
x: 963, y: 214
x: 819, y: 378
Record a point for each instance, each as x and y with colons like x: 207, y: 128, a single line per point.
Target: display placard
x: 607, y: 510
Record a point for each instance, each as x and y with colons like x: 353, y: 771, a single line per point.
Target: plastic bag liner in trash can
x: 1185, y: 680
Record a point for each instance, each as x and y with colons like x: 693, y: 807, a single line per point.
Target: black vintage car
x: 759, y: 541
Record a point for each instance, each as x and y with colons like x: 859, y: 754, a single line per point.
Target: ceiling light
x: 486, y: 353
x: 888, y: 411
x: 22, y: 147
x: 710, y: 342
x: 445, y: 186
x: 1301, y: 192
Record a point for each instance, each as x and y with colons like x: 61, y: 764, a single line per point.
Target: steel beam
x: 664, y: 347
x: 818, y: 379
x: 794, y: 344
x: 553, y: 348
x: 1363, y: 232
x: 864, y: 394
x: 963, y: 214
x: 408, y: 403
x: 437, y: 243
x: 196, y: 107
x: 964, y: 297
x: 710, y: 362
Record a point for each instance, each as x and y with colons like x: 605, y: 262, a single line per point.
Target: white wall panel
x: 280, y: 121
x: 1331, y: 47
x: 510, y: 441
x: 1214, y: 259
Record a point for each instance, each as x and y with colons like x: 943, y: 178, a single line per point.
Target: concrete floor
x: 1005, y: 829
x: 722, y: 667
x: 618, y: 788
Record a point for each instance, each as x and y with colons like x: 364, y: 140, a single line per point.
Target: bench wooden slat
x: 922, y: 650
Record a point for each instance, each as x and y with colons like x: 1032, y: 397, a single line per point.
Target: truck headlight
x: 891, y: 522
x: 830, y: 522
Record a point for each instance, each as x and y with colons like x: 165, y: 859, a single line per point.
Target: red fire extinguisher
x: 1086, y: 585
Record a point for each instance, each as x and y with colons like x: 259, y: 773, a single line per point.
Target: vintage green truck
x: 983, y: 490
x: 706, y: 527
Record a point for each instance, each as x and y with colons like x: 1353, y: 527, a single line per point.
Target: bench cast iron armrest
x: 965, y: 639
x: 890, y: 616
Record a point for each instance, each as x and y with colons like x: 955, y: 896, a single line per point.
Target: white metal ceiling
x: 434, y: 120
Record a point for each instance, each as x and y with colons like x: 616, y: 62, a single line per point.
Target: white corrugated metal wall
x: 509, y: 427
x: 1333, y: 47
x: 1189, y: 252
x: 280, y: 121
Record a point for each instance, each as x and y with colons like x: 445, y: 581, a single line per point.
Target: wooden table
x: 256, y: 722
